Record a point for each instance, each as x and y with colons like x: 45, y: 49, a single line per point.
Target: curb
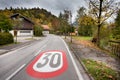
x: 80, y: 61
x: 3, y: 52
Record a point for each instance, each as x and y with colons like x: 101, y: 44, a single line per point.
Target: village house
x: 22, y: 25
x: 46, y: 29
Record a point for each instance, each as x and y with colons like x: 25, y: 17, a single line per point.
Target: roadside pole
x: 70, y: 14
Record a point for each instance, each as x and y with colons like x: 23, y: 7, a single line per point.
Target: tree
x: 64, y: 27
x: 101, y: 11
x: 81, y: 12
x: 5, y: 23
x: 86, y: 25
x: 38, y: 30
x: 116, y: 30
x: 63, y: 23
x: 55, y: 24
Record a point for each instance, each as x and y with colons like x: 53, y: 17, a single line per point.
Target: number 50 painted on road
x: 48, y: 64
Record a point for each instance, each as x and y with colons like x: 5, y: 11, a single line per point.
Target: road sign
x: 48, y: 64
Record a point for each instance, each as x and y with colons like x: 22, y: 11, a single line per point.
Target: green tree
x: 38, y: 31
x: 116, y: 30
x: 64, y: 27
x: 86, y: 25
x: 5, y: 23
x: 81, y: 12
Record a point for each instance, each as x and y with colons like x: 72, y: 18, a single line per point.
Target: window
x: 25, y: 31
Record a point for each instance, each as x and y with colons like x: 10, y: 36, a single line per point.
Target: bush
x: 38, y: 31
x: 6, y: 38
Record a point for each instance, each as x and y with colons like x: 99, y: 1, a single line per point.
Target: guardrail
x: 115, y: 47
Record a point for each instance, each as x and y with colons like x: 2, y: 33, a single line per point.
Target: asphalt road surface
x: 49, y: 59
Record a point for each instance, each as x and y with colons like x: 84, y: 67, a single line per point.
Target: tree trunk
x: 98, y: 35
x: 99, y: 23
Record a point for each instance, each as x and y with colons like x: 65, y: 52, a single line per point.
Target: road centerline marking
x: 13, y: 74
x: 40, y: 50
x: 37, y: 53
x: 74, y: 63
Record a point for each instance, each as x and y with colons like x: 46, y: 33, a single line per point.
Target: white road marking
x: 44, y: 46
x: 21, y: 47
x: 13, y: 74
x: 40, y: 50
x: 13, y: 51
x: 17, y: 49
x: 37, y: 53
x: 74, y: 63
x: 47, y: 67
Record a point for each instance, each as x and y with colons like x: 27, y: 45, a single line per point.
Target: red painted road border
x: 36, y: 74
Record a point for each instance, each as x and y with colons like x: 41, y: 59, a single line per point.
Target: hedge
x: 38, y: 31
x: 6, y: 38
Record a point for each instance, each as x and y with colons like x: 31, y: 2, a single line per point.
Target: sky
x: 54, y: 6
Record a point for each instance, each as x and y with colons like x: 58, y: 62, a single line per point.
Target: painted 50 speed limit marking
x: 48, y: 64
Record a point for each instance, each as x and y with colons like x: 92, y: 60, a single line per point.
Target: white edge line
x: 21, y: 47
x: 8, y: 53
x: 74, y: 63
x: 13, y: 74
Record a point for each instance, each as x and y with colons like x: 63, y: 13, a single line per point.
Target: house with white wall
x: 22, y: 25
x: 46, y: 29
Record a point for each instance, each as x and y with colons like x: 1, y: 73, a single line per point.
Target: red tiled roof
x: 46, y: 27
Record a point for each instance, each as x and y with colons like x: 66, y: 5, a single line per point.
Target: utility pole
x: 70, y: 15
x: 66, y: 17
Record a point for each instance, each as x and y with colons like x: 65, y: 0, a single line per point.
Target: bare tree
x: 102, y: 10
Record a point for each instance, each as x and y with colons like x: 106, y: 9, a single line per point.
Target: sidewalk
x: 22, y: 41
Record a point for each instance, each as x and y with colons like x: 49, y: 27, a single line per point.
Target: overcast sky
x: 54, y: 6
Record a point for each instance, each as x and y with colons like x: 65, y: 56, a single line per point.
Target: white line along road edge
x: 74, y: 63
x: 13, y: 74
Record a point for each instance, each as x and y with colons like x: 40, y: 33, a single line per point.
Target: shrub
x: 38, y: 31
x: 6, y: 38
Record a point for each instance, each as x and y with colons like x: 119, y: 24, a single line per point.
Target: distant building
x: 22, y: 25
x: 46, y: 29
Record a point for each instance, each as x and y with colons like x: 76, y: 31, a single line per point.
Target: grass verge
x: 9, y: 44
x: 83, y: 38
x: 100, y: 71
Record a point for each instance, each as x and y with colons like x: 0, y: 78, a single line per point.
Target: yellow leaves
x: 50, y: 24
x: 88, y: 62
x: 86, y: 20
x: 42, y: 15
x: 99, y: 71
x: 110, y: 76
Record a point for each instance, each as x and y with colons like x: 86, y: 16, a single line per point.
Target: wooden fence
x: 115, y: 47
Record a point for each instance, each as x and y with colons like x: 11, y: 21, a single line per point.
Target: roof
x: 17, y: 14
x: 45, y: 27
x: 25, y: 25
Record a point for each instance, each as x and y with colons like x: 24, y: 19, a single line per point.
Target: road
x: 49, y: 59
